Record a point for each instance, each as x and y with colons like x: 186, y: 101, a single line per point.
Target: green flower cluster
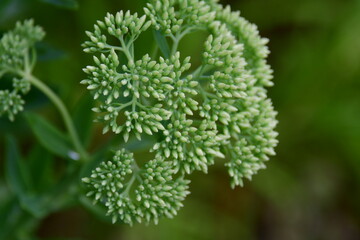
x: 156, y: 195
x: 173, y: 16
x: 17, y: 58
x: 219, y: 109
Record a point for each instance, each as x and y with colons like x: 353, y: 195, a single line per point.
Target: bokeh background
x: 310, y: 190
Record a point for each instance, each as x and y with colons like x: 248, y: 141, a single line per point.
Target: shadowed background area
x: 310, y: 190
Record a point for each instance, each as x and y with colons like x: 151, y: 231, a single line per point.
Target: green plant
x: 18, y: 57
x: 219, y: 109
x: 189, y: 115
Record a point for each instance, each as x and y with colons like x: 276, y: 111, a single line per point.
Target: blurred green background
x: 310, y: 190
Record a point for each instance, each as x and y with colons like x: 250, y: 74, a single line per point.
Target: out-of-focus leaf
x: 17, y: 176
x: 40, y: 164
x: 4, y: 4
x: 68, y: 4
x: 54, y: 198
x: 36, y: 205
x: 48, y: 52
x: 4, y: 192
x: 163, y: 45
x: 83, y: 118
x: 49, y: 136
x: 56, y: 238
x: 35, y: 100
x: 8, y: 8
x: 9, y: 213
x: 14, y: 169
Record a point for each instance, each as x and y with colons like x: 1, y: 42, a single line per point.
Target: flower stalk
x: 64, y: 114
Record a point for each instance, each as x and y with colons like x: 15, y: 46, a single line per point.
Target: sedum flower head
x: 17, y: 58
x: 197, y: 114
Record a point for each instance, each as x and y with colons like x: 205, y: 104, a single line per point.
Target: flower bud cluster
x: 17, y: 58
x: 10, y: 103
x: 255, y: 47
x: 119, y: 25
x: 157, y: 194
x: 171, y: 16
x: 218, y: 110
x: 189, y: 148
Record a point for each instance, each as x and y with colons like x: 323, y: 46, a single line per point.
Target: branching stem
x: 63, y: 112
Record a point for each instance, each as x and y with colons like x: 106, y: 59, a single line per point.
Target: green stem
x: 129, y: 185
x: 64, y: 113
x: 125, y: 50
x: 176, y: 39
x: 154, y: 51
x: 175, y: 46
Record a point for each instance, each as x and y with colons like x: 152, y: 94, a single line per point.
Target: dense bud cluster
x: 255, y: 49
x: 119, y: 25
x: 157, y: 193
x: 10, y: 103
x: 172, y: 16
x: 17, y: 59
x: 220, y: 110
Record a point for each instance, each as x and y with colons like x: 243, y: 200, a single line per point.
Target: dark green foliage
x: 50, y: 137
x: 69, y: 4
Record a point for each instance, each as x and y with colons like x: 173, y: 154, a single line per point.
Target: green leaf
x: 50, y: 137
x: 55, y: 238
x: 47, y: 52
x: 68, y: 4
x: 54, y: 198
x: 36, y: 205
x: 163, y: 45
x: 9, y: 215
x: 14, y: 169
x: 40, y: 164
x: 83, y: 118
x: 17, y: 176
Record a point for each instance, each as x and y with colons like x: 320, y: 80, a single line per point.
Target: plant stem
x: 176, y: 39
x: 175, y: 46
x: 64, y: 114
x: 154, y: 51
